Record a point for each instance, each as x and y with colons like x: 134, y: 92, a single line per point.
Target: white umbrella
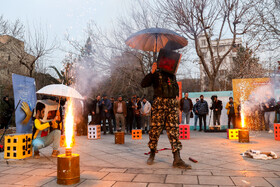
x: 60, y: 90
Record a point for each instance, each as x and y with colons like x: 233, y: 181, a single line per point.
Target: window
x: 203, y: 42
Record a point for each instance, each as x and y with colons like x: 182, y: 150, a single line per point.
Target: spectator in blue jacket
x: 195, y: 113
x: 105, y: 108
x: 202, y: 110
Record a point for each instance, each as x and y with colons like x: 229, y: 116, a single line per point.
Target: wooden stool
x: 119, y: 138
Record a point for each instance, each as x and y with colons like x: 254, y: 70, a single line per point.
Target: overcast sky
x: 59, y: 17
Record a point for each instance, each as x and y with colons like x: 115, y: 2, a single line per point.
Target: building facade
x: 11, y: 50
x: 227, y: 64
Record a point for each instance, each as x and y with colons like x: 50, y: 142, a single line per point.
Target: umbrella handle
x: 155, y: 52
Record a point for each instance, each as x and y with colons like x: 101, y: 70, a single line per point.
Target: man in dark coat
x: 164, y: 113
x: 6, y: 111
x: 130, y: 114
x: 96, y: 111
x: 269, y: 107
x: 217, y: 107
x: 137, y: 113
x: 186, y: 107
x: 105, y: 114
x: 113, y: 117
x: 202, y: 111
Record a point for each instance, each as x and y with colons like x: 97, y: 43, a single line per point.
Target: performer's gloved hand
x: 154, y: 68
x: 27, y: 111
x: 55, y: 122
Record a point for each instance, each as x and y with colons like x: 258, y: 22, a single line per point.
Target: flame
x: 69, y: 124
x: 242, y: 102
x: 242, y: 119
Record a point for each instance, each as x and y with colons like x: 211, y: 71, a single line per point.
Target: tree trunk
x: 30, y: 72
x: 211, y: 86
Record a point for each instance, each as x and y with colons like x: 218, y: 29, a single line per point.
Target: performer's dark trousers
x: 200, y: 117
x: 164, y: 113
x: 129, y: 122
x: 82, y: 126
x: 109, y: 123
x: 231, y: 118
x: 216, y: 119
x: 96, y: 119
x: 114, y: 121
x: 138, y: 121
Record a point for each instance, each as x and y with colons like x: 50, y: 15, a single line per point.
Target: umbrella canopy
x: 153, y: 39
x: 60, y: 90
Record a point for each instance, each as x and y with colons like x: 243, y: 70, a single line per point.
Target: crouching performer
x: 45, y: 134
x: 164, y: 112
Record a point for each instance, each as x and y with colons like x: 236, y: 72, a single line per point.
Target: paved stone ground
x: 104, y: 163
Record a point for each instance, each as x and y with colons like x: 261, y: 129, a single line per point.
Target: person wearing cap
x: 217, y: 107
x: 120, y: 113
x: 164, y: 113
x: 105, y: 108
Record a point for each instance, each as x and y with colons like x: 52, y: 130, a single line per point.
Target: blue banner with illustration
x: 25, y: 93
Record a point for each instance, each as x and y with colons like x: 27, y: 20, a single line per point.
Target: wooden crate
x: 184, y: 132
x: 94, y: 132
x: 18, y: 146
x: 136, y: 134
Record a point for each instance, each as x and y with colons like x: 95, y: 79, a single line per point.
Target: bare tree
x: 36, y: 46
x: 267, y: 27
x: 210, y: 19
x: 246, y: 65
x: 15, y: 29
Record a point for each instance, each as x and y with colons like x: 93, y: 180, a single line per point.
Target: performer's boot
x: 178, y: 162
x: 150, y: 160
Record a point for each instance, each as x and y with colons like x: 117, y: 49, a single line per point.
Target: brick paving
x: 104, y: 163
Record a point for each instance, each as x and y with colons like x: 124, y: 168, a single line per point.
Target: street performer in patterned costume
x: 164, y: 112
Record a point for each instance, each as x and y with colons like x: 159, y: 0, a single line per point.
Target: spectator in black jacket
x: 202, y: 110
x: 269, y: 115
x: 278, y: 111
x: 96, y: 111
x: 6, y: 111
x: 186, y: 107
x: 113, y: 118
x: 217, y: 107
x: 130, y: 114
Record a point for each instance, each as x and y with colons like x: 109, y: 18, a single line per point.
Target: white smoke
x: 257, y: 97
